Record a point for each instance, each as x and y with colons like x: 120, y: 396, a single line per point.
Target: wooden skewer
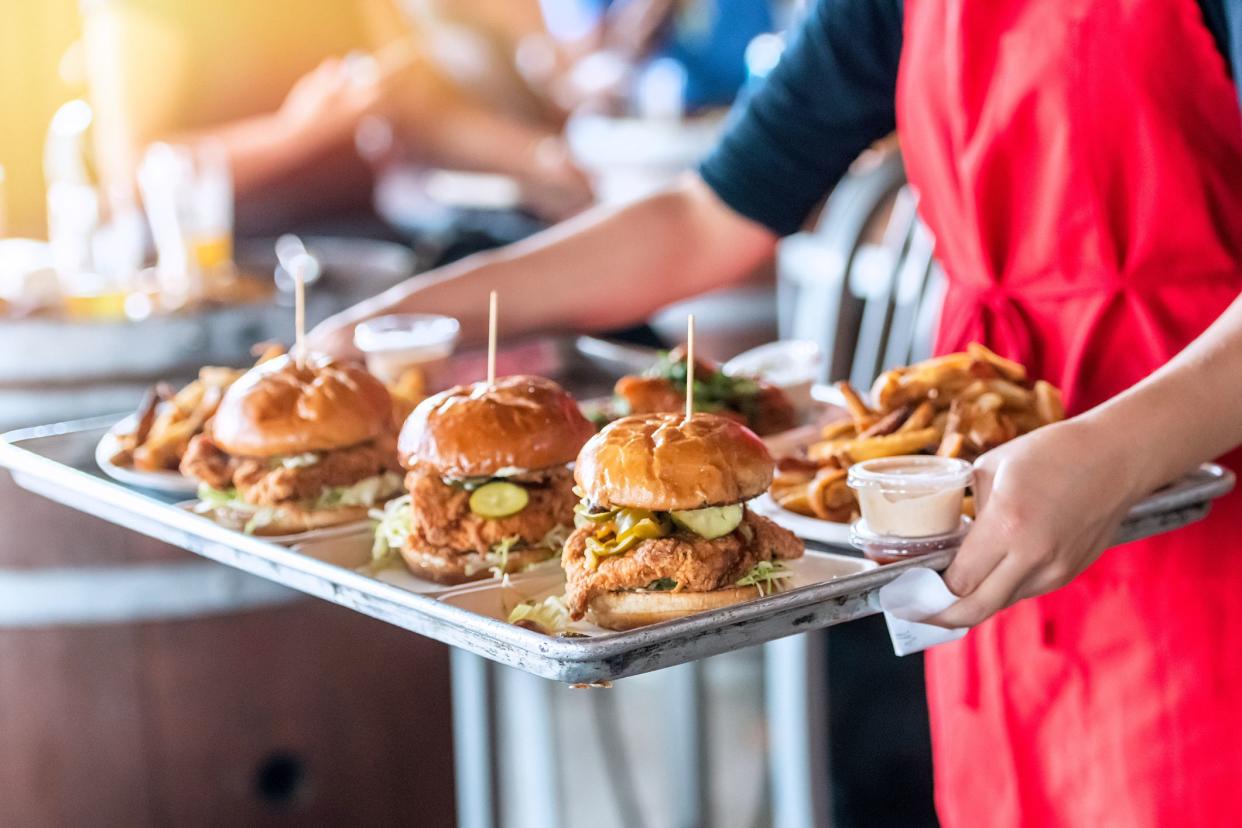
x: 299, y: 313
x: 689, y: 366
x: 491, y: 339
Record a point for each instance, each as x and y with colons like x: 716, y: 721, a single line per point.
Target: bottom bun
x: 448, y: 567
x: 291, y: 520
x: 627, y: 610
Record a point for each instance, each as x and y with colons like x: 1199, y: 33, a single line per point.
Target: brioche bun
x: 281, y: 408
x: 667, y: 462
x: 627, y: 610
x: 520, y: 422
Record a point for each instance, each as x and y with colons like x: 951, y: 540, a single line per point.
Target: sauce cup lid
x: 407, y: 332
x: 910, y: 473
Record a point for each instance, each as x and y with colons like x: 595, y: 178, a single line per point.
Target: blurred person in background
x: 597, y: 46
x: 292, y: 90
x: 1078, y: 164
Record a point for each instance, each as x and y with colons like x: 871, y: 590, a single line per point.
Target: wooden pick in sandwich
x: 299, y: 310
x: 689, y: 366
x: 491, y: 339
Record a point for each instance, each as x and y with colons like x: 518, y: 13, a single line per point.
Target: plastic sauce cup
x: 915, y: 496
x: 394, y: 344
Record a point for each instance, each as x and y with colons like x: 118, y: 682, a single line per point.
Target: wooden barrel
x: 141, y: 685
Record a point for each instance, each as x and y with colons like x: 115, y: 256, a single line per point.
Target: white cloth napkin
x: 909, y: 598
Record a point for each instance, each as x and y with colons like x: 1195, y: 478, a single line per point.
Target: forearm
x: 609, y: 267
x: 454, y: 132
x: 1185, y: 413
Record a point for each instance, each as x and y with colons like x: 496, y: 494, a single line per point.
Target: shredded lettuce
x: 366, y: 492
x: 550, y: 615
x: 392, y: 527
x: 231, y: 501
x: 497, y: 558
x: 556, y: 537
x: 766, y: 576
x: 500, y: 554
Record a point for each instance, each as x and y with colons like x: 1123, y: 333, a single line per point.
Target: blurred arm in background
x: 272, y: 84
x: 609, y: 267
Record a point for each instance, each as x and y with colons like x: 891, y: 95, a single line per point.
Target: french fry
x: 839, y: 495
x: 951, y: 445
x: 862, y: 413
x: 983, y: 370
x: 921, y: 417
x: 1014, y: 395
x: 989, y: 401
x: 796, y: 500
x: 989, y: 429
x: 885, y: 388
x: 826, y: 451
x: 1026, y: 421
x: 817, y: 492
x: 890, y: 445
x: 1048, y: 403
x: 973, y: 391
x: 887, y: 424
x: 1008, y: 369
x: 939, y: 375
x: 796, y: 467
x: 837, y: 428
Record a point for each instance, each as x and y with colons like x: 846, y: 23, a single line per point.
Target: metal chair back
x: 869, y: 305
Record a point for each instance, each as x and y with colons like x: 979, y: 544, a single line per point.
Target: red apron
x: 1080, y: 164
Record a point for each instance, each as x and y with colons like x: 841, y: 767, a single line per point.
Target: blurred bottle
x: 188, y: 195
x: 74, y: 221
x: 210, y: 225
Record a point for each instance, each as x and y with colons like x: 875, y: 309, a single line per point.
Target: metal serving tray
x: 57, y: 461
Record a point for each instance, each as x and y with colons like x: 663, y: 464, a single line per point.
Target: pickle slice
x: 498, y: 499
x: 712, y: 522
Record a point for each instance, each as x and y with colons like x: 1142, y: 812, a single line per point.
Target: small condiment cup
x: 886, y: 549
x: 394, y: 344
x: 914, y: 496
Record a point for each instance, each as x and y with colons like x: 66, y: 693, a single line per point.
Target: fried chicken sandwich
x: 490, y: 487
x: 296, y: 447
x: 663, y: 527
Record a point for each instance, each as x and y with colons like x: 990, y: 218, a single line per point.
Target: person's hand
x: 1048, y: 504
x: 335, y: 337
x: 326, y: 105
x: 553, y: 186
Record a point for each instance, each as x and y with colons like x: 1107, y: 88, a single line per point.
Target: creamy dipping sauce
x: 394, y: 344
x: 911, y: 497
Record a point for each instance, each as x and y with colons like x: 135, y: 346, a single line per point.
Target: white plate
x: 807, y: 528
x: 497, y: 600
x: 354, y: 527
x: 170, y: 482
